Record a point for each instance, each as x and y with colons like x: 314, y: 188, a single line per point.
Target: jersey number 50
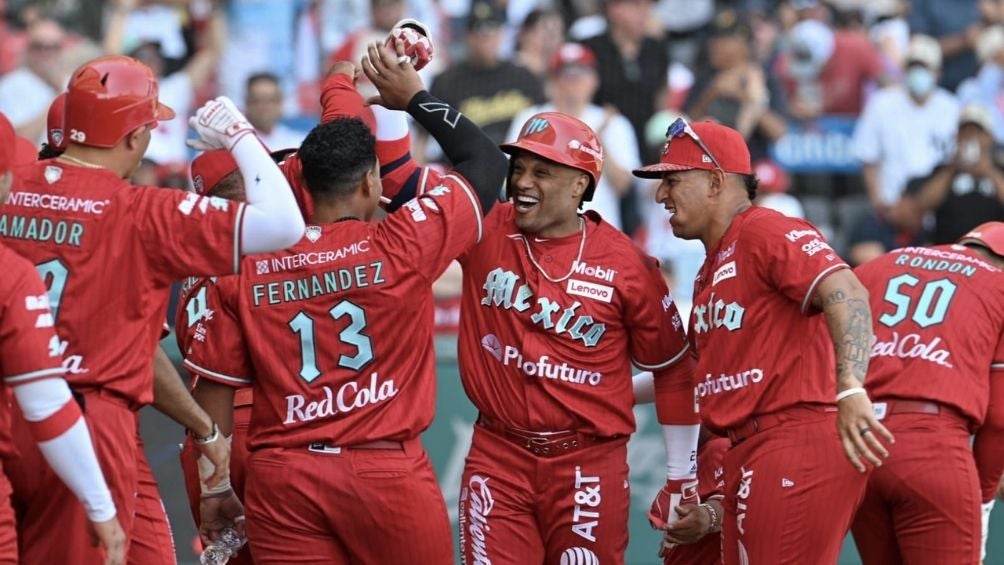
x: 931, y: 308
x: 303, y: 325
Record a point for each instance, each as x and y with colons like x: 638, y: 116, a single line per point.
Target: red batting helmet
x: 54, y: 123
x: 109, y: 97
x: 563, y: 139
x: 989, y: 235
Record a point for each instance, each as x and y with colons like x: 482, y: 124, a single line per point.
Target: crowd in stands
x: 878, y: 120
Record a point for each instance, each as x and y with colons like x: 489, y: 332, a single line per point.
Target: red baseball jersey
x: 108, y: 252
x: 939, y: 326
x: 29, y: 348
x: 337, y: 330
x: 550, y: 327
x: 760, y: 344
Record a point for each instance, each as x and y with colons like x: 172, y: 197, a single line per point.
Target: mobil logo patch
x: 590, y: 290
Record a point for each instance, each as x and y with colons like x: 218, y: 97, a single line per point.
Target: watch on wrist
x: 214, y: 435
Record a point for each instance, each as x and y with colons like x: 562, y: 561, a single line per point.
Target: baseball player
x: 340, y: 416
x: 31, y: 365
x: 152, y: 541
x: 109, y: 252
x: 769, y: 287
x: 936, y: 377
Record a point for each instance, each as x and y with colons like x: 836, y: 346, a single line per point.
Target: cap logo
x: 57, y: 135
x: 198, y: 184
x: 576, y: 145
x: 706, y: 159
x: 535, y: 125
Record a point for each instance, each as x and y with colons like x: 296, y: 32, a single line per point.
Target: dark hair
x: 751, y: 183
x: 48, y: 152
x: 336, y: 156
x: 263, y: 76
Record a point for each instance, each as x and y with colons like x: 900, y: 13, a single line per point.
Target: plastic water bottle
x: 220, y: 551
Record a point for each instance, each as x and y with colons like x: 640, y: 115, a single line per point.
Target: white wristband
x: 206, y: 470
x: 851, y: 392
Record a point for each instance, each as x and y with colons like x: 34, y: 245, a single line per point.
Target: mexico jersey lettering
x: 335, y: 333
x: 760, y: 344
x: 938, y: 315
x: 548, y: 336
x: 29, y: 348
x: 108, y: 252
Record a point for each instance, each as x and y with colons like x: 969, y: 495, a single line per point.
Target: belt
x: 322, y: 447
x: 885, y: 408
x: 243, y: 397
x: 543, y: 444
x: 764, y: 422
x: 80, y: 394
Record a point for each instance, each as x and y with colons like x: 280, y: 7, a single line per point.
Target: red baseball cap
x: 209, y: 168
x: 572, y: 56
x: 7, y: 147
x: 54, y: 123
x: 772, y: 177
x: 683, y: 153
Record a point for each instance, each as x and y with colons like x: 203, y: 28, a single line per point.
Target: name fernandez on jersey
x: 319, y: 284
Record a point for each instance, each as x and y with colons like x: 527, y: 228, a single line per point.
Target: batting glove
x: 417, y: 42
x: 220, y: 125
x: 673, y: 494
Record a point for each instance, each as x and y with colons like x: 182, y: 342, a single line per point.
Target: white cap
x: 977, y: 114
x: 925, y: 50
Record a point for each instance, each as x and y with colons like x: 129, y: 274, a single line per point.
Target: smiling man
x: 557, y: 305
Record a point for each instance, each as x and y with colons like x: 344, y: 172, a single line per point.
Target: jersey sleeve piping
x: 475, y: 206
x: 217, y: 377
x: 35, y: 375
x: 238, y: 235
x: 664, y: 364
x: 815, y: 283
x: 997, y: 366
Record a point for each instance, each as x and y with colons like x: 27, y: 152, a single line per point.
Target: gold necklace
x: 582, y: 245
x: 79, y: 162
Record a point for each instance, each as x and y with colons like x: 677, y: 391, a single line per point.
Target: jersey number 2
x: 54, y: 274
x: 931, y: 308
x: 303, y: 325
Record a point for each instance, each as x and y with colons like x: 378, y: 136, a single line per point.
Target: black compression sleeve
x: 474, y: 155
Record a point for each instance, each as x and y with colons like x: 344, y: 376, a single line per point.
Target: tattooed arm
x: 844, y: 301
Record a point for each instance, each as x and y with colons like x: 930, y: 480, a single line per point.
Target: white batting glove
x: 986, y: 507
x: 417, y: 41
x: 220, y: 125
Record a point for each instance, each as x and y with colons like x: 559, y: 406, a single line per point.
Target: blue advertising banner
x: 822, y: 145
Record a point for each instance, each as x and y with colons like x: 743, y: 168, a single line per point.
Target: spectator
x: 736, y: 91
x: 633, y: 69
x: 889, y: 32
x: 826, y: 71
x: 177, y: 89
x: 573, y: 81
x: 685, y: 23
x: 772, y: 192
x: 987, y: 87
x: 485, y: 88
x: 956, y: 24
x: 25, y: 93
x: 906, y: 130
x: 969, y: 190
x: 540, y: 37
x: 264, y: 99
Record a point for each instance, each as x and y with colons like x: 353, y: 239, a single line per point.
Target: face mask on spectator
x: 920, y: 81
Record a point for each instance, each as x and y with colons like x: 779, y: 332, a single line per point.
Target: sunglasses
x: 680, y: 128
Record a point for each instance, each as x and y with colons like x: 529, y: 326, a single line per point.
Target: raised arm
x: 844, y: 301
x: 473, y: 154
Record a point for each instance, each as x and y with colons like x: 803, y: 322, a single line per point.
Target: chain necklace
x: 582, y: 245
x: 79, y: 162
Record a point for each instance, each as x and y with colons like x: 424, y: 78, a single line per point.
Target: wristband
x: 206, y: 470
x: 716, y: 525
x: 850, y: 392
x: 214, y: 435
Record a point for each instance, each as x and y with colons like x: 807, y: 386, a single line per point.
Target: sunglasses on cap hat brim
x: 680, y: 128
